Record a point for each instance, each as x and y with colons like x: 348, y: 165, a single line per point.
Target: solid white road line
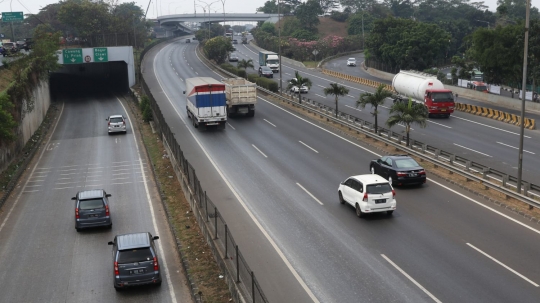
x: 259, y: 150
x: 231, y: 126
x: 308, y: 146
x: 320, y: 86
x: 439, y: 124
x: 33, y: 170
x: 503, y: 130
x: 152, y: 213
x: 320, y: 96
x: 269, y: 123
x: 411, y: 279
x: 515, y: 148
x: 351, y: 96
x: 471, y: 150
x: 353, y: 108
x: 307, y: 192
x: 503, y: 265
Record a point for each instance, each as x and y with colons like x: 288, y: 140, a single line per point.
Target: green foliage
x: 230, y: 68
x: 267, y: 83
x: 303, y: 34
x: 299, y: 81
x: 217, y: 48
x: 238, y: 28
x: 7, y: 124
x: 328, y: 5
x: 337, y: 91
x: 354, y: 24
x: 339, y: 16
x: 269, y: 7
x: 407, y: 44
x: 407, y: 114
x: 202, y: 34
x: 290, y: 24
x: 270, y: 28
x: 308, y: 13
x: 145, y: 108
x: 374, y: 99
x: 242, y: 73
x: 245, y: 64
x: 85, y: 16
x: 253, y: 77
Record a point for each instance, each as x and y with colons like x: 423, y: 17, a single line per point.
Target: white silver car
x: 303, y: 89
x: 351, y: 62
x: 117, y: 123
x: 368, y: 194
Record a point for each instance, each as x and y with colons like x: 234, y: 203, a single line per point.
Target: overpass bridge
x: 173, y: 20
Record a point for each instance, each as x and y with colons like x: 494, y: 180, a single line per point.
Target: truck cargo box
x: 206, y: 103
x: 241, y: 96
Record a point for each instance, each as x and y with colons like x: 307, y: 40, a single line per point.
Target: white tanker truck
x: 425, y: 89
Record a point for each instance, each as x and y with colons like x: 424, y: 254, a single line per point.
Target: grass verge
x: 203, y: 268
x: 311, y: 64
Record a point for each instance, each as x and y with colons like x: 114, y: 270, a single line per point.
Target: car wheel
x: 117, y: 288
x: 77, y: 229
x: 390, y: 180
x: 341, y: 198
x: 372, y: 169
x: 389, y: 212
x: 359, y: 212
x: 158, y: 284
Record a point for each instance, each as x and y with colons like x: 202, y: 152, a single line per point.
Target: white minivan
x: 368, y: 194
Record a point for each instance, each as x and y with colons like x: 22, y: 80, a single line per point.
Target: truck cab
x: 439, y: 102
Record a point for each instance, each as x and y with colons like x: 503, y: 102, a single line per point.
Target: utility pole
x: 524, y: 90
x: 279, y: 48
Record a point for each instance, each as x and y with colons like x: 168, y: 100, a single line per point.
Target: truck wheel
x: 251, y: 113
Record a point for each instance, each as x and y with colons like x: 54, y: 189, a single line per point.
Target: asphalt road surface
x: 489, y: 142
x: 274, y: 178
x: 43, y: 258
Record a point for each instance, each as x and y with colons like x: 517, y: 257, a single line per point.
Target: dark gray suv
x: 135, y: 260
x: 92, y: 209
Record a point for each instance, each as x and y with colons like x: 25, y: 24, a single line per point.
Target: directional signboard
x: 12, y: 16
x: 72, y: 55
x: 101, y: 54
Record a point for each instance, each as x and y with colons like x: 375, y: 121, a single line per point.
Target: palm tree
x: 245, y: 64
x: 337, y: 91
x: 375, y: 99
x: 299, y: 81
x: 407, y: 114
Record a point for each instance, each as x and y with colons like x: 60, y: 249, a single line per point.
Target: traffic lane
x: 425, y: 202
x: 266, y: 136
x: 435, y: 134
x: 277, y: 280
x: 75, y: 264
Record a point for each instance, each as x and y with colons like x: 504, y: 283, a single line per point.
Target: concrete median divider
x: 355, y: 79
x: 495, y: 114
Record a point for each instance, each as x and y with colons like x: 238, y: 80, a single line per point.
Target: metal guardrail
x: 454, y: 163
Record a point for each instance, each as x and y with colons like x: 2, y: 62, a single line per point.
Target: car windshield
x: 134, y: 255
x: 380, y: 188
x: 91, y: 204
x: 266, y: 69
x: 442, y: 97
x: 272, y: 62
x: 116, y: 120
x: 481, y: 88
x: 406, y: 163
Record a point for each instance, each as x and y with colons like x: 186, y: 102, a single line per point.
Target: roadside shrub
x: 230, y: 68
x: 339, y: 16
x: 268, y: 84
x: 252, y: 77
x: 242, y: 73
x: 146, y: 110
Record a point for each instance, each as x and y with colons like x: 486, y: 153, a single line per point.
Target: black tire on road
x: 341, y: 200
x: 389, y: 212
x: 359, y: 212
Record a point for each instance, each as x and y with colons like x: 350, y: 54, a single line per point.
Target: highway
x: 43, y: 258
x: 274, y: 179
x: 486, y: 141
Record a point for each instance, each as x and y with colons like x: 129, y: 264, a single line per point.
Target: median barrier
x: 494, y: 114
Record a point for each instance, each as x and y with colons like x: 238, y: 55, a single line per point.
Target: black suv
x: 398, y: 170
x: 135, y: 260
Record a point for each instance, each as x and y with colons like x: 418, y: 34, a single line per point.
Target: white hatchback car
x: 351, y: 62
x: 368, y: 194
x: 303, y: 89
x: 117, y: 123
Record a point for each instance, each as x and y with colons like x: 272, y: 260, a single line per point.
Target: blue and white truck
x: 206, y: 103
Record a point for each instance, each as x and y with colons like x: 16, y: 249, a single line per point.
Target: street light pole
x: 279, y: 48
x: 224, y: 30
x: 524, y: 90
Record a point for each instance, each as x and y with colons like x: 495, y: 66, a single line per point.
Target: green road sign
x: 12, y: 16
x: 101, y: 54
x: 72, y: 55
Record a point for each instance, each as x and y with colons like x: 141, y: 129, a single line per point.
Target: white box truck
x: 269, y: 59
x: 206, y: 104
x: 241, y: 96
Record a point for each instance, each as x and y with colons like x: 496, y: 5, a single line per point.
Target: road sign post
x: 72, y: 55
x: 101, y: 54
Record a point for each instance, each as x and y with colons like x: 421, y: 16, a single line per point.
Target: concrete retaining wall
x: 29, y: 124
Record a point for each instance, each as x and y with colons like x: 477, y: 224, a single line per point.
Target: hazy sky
x: 166, y: 7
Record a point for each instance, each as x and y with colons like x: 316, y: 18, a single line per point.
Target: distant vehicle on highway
x: 233, y: 57
x: 303, y: 89
x: 117, y: 123
x: 368, y: 194
x: 235, y: 41
x: 265, y: 71
x: 188, y: 41
x: 478, y: 86
x: 92, y: 209
x: 135, y: 260
x: 10, y: 48
x: 351, y: 62
x: 398, y: 170
x: 28, y: 44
